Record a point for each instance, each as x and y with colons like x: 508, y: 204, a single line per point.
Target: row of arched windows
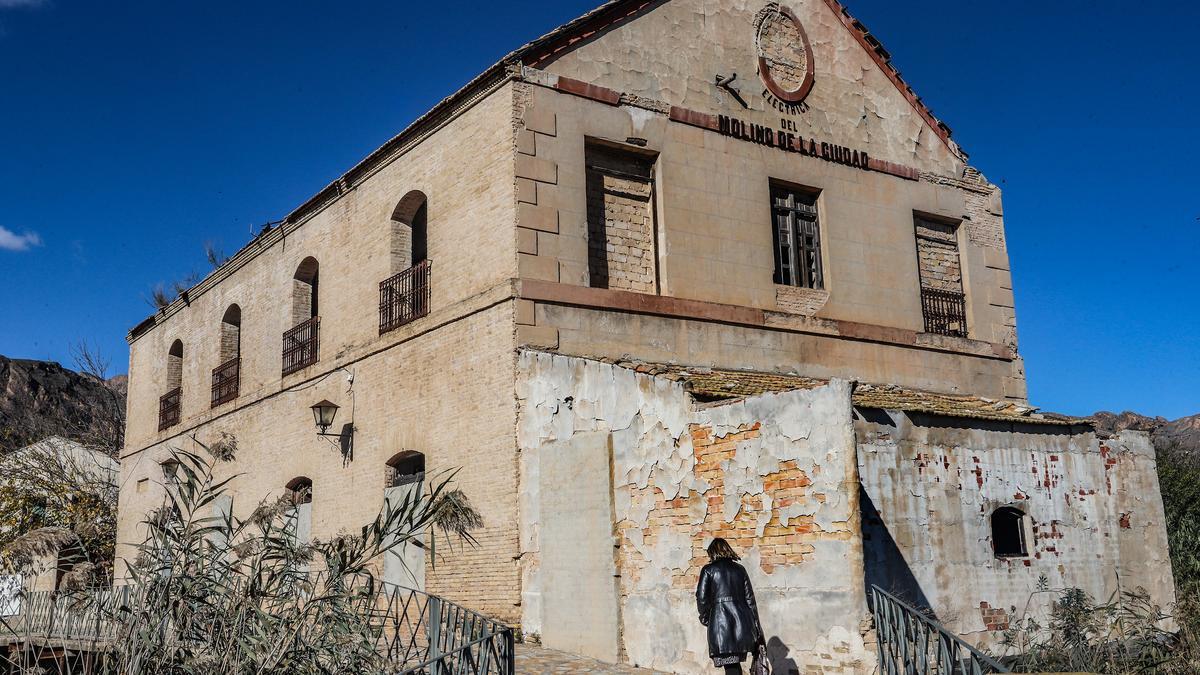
x: 404, y: 468
x: 408, y: 240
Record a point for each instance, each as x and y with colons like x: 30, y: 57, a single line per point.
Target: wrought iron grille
x: 169, y: 405
x: 225, y: 380
x: 301, y: 345
x: 945, y: 312
x: 404, y: 297
x: 398, y: 477
x: 912, y: 644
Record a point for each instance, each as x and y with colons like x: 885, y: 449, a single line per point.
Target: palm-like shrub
x: 214, y: 593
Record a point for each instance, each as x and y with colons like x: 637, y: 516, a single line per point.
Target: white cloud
x: 11, y: 241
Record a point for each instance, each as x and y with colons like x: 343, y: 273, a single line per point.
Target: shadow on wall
x: 777, y: 654
x: 885, y: 563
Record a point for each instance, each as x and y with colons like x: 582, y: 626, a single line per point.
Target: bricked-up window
x: 409, y: 232
x: 175, y: 365
x: 620, y: 218
x: 943, y: 303
x: 1008, y: 533
x: 305, y: 291
x: 231, y: 334
x: 405, y: 468
x: 797, y: 237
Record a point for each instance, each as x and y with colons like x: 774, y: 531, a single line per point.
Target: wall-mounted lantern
x: 323, y: 414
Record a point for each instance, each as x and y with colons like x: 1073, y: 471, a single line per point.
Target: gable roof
x: 616, y: 12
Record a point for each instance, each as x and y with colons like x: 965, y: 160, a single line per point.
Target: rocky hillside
x: 1183, y: 432
x: 41, y: 398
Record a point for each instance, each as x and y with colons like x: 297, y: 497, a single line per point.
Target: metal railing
x: 911, y: 643
x: 415, y: 633
x: 404, y: 297
x: 396, y: 477
x: 301, y: 345
x: 428, y: 634
x: 225, y: 380
x: 169, y: 405
x: 945, y: 312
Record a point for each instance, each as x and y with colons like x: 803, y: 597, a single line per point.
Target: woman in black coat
x: 726, y: 604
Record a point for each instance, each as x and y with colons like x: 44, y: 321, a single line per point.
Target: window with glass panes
x: 797, y: 237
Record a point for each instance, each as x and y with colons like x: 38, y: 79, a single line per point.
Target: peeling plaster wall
x: 775, y: 474
x: 931, y: 486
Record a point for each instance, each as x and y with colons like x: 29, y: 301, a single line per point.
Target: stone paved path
x: 535, y: 660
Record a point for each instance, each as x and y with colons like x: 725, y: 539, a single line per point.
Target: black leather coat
x: 726, y: 604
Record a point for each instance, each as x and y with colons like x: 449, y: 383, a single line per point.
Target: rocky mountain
x: 1183, y: 432
x: 41, y: 398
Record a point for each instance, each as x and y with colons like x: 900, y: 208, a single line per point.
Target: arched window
x: 170, y: 471
x: 305, y: 291
x: 300, y: 490
x: 405, y: 468
x: 1008, y: 533
x: 410, y: 231
x: 231, y: 334
x: 175, y: 366
x: 227, y: 375
x: 170, y: 404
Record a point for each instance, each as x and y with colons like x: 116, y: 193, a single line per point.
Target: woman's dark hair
x: 720, y: 549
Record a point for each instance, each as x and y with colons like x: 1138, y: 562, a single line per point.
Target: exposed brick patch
x: 797, y: 300
x: 994, y: 618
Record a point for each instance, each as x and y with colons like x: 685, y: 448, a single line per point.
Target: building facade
x: 675, y: 270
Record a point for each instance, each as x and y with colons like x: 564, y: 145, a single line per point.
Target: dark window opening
x: 405, y: 468
x: 797, y: 235
x: 1008, y: 533
x: 300, y: 490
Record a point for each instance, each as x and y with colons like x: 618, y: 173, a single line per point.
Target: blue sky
x: 132, y: 133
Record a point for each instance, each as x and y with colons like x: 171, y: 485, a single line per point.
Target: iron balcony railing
x: 911, y: 643
x: 418, y: 633
x: 945, y: 312
x: 225, y: 380
x: 169, y: 405
x: 301, y: 345
x: 404, y: 297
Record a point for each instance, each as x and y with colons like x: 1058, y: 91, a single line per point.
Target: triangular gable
x: 606, y: 19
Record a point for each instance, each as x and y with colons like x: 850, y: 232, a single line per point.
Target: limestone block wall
x: 713, y: 233
x: 775, y: 474
x: 442, y: 386
x: 465, y: 171
x: 930, y: 487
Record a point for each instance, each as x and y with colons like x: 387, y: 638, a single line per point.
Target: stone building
x: 675, y: 270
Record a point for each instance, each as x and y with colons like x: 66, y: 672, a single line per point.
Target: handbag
x: 760, y: 665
